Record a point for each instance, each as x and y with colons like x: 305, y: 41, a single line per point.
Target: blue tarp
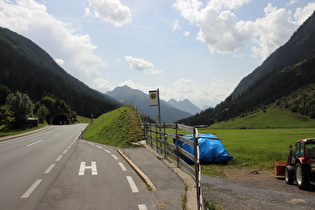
x: 210, y: 148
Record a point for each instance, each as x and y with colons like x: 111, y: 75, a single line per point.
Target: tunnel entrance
x: 60, y: 119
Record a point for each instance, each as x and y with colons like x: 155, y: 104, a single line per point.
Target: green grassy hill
x: 118, y: 128
x: 269, y: 118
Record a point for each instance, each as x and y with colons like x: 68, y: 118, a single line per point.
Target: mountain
x: 185, y: 106
x: 288, y: 70
x: 140, y: 101
x: 27, y: 68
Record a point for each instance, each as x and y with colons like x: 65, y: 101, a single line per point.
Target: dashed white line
x: 115, y: 157
x: 142, y: 207
x: 132, y: 184
x: 64, y: 152
x: 49, y: 168
x: 59, y: 158
x: 107, y: 151
x: 122, y: 166
x: 36, y: 142
x: 99, y: 147
x: 31, y: 189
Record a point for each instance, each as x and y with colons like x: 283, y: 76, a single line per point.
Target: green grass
x: 271, y: 118
x: 259, y: 139
x: 118, y: 128
x: 4, y: 133
x: 81, y: 119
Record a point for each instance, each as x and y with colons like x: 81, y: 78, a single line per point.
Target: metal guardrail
x: 157, y: 136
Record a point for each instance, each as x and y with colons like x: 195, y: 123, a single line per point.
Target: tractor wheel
x: 289, y: 174
x: 303, y: 176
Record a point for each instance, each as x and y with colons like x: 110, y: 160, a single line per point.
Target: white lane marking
x: 57, y: 134
x: 142, y: 207
x: 69, y: 147
x: 59, y: 158
x: 64, y: 152
x: 91, y: 143
x: 77, y: 137
x: 49, y: 168
x: 132, y: 184
x: 122, y: 166
x: 83, y: 167
x: 115, y: 157
x: 107, y: 151
x: 36, y: 142
x: 99, y: 147
x: 31, y: 189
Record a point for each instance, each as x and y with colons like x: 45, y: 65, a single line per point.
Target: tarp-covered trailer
x: 210, y: 148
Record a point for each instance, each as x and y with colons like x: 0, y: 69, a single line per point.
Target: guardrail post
x: 177, y: 152
x: 197, y: 167
x: 165, y: 138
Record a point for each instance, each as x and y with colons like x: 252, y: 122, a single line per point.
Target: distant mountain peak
x: 185, y: 105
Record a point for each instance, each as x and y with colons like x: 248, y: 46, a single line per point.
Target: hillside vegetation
x: 118, y: 128
x: 268, y: 118
x: 289, y: 69
x: 27, y: 68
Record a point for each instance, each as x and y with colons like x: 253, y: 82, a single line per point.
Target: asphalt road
x: 56, y: 170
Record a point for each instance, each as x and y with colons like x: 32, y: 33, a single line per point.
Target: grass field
x: 258, y: 140
x: 118, y: 128
x: 270, y: 118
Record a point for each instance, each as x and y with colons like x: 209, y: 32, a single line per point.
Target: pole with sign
x: 154, y: 100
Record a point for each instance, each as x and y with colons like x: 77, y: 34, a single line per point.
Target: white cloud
x: 141, y: 65
x: 302, y: 14
x: 186, y: 33
x: 102, y: 85
x: 175, y: 25
x: 110, y: 11
x: 59, y: 61
x: 74, y: 51
x: 211, y: 93
x: 223, y: 32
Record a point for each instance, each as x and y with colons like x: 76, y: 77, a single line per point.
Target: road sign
x: 154, y: 98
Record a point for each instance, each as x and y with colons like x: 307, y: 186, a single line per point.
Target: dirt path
x: 255, y: 189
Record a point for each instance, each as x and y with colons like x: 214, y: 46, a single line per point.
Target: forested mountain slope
x: 290, y: 68
x: 25, y: 67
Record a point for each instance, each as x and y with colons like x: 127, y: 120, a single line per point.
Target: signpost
x: 154, y: 100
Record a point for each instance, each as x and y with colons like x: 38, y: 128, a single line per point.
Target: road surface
x: 56, y: 170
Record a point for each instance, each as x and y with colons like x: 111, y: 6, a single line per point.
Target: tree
x: 21, y: 106
x: 6, y: 117
x: 42, y: 113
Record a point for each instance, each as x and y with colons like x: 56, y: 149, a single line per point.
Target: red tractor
x: 301, y: 164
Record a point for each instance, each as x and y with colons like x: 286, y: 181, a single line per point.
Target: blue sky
x: 194, y: 49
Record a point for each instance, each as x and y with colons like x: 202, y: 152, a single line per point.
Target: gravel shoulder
x: 255, y: 189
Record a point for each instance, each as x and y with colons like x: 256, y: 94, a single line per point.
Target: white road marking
x: 132, y: 184
x: 31, y: 189
x: 49, y: 168
x: 107, y: 151
x: 83, y: 167
x: 115, y: 157
x: 142, y: 207
x: 122, y: 166
x: 36, y: 142
x: 69, y: 147
x: 64, y: 152
x: 91, y: 143
x: 99, y: 147
x: 59, y: 158
x: 57, y: 134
